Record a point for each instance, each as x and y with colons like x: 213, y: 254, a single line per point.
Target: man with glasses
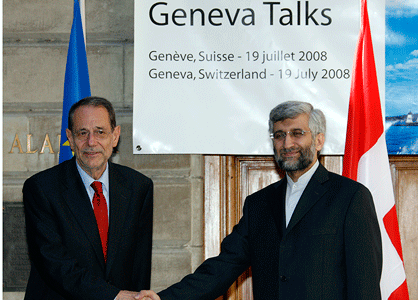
x: 89, y: 221
x: 312, y: 235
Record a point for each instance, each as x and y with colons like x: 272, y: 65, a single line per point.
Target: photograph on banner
x: 402, y: 77
x: 207, y: 73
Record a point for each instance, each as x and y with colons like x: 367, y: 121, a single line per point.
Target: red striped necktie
x: 100, y: 211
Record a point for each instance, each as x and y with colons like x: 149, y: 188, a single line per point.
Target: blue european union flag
x: 77, y: 83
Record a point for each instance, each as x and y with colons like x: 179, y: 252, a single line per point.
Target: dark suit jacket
x: 331, y: 249
x: 64, y: 244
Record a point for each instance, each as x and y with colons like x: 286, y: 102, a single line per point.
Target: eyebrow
x: 290, y: 130
x: 95, y: 128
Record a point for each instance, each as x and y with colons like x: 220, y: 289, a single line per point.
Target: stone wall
x: 36, y: 35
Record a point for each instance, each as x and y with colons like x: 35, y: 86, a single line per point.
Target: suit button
x: 283, y: 278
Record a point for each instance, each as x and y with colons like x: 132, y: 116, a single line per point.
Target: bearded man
x: 312, y: 235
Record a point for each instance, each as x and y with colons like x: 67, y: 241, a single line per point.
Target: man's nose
x: 288, y: 141
x: 91, y: 140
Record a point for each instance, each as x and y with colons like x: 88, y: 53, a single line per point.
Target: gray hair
x: 92, y: 101
x: 292, y: 109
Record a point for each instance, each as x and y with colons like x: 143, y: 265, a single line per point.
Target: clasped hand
x: 143, y: 295
x: 147, y: 295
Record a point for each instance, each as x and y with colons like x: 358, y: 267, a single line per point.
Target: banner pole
x: 83, y: 18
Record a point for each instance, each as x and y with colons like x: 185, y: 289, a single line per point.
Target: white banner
x: 207, y: 73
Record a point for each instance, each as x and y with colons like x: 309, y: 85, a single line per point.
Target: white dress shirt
x: 295, y: 189
x: 88, y: 180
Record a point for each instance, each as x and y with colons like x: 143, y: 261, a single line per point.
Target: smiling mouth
x: 91, y: 153
x: 289, y: 153
x: 290, y: 157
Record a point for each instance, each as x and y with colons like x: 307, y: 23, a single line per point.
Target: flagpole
x: 83, y: 18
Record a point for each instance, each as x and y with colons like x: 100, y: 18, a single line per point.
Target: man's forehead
x: 299, y: 121
x: 91, y: 116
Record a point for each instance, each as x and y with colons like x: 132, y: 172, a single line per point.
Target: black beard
x: 305, y: 159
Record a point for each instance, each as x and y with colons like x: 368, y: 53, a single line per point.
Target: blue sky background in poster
x: 402, y: 77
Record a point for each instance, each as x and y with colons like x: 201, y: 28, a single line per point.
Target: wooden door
x: 228, y: 180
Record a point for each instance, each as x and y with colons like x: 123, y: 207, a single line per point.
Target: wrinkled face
x: 296, y: 154
x: 92, y: 139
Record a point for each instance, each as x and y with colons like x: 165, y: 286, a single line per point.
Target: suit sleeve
x: 142, y: 260
x: 215, y: 275
x: 57, y: 267
x: 363, y: 247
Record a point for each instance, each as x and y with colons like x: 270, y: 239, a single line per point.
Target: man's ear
x: 319, y: 141
x: 70, y: 139
x: 115, y: 136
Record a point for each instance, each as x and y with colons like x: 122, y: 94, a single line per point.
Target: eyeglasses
x: 98, y: 134
x: 281, y: 135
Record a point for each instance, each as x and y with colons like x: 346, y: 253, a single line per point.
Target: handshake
x: 143, y: 295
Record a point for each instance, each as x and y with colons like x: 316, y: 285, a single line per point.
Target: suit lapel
x: 79, y: 203
x: 120, y: 195
x: 312, y: 193
x: 277, y: 205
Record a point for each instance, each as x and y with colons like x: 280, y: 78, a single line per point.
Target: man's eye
x: 297, y: 133
x: 279, y: 135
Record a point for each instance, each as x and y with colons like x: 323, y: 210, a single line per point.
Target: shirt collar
x: 88, y: 180
x: 305, y: 178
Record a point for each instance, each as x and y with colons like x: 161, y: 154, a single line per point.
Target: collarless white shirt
x: 294, y: 190
x: 88, y: 180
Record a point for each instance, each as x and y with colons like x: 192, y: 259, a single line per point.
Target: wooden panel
x: 219, y: 182
x: 229, y: 179
x: 405, y: 178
